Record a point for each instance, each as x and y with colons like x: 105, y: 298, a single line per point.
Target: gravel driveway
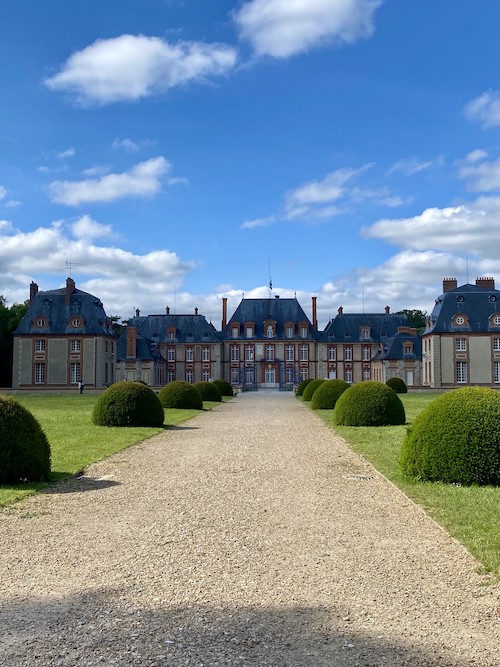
x: 252, y: 536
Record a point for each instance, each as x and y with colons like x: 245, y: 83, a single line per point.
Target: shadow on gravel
x: 79, y: 484
x: 103, y: 628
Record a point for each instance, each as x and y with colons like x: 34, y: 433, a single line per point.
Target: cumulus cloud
x: 126, y: 144
x: 131, y: 67
x: 259, y: 222
x: 86, y: 228
x: 485, y: 109
x: 481, y: 176
x: 143, y: 180
x: 282, y: 28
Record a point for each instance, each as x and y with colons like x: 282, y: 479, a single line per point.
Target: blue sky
x: 179, y: 151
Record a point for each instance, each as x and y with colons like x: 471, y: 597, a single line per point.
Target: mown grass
x: 469, y: 514
x: 75, y: 441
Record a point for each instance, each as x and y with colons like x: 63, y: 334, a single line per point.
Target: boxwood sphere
x: 209, y: 391
x: 224, y: 387
x: 327, y: 394
x: 310, y: 389
x: 302, y: 386
x: 24, y: 448
x: 397, y: 385
x: 181, y: 394
x: 128, y: 404
x: 456, y: 439
x: 369, y: 403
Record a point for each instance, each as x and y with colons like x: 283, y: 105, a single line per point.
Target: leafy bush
x: 456, y: 439
x: 209, y: 391
x: 181, y: 394
x: 302, y: 386
x: 310, y: 389
x: 224, y: 387
x: 369, y: 404
x: 24, y: 448
x: 128, y: 404
x: 397, y: 385
x: 327, y: 394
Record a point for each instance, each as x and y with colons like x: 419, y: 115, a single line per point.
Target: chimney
x: 340, y: 310
x: 70, y: 288
x: 33, y: 290
x: 196, y: 311
x: 131, y: 342
x: 224, y: 312
x: 137, y: 312
x: 314, y: 312
x: 487, y: 283
x: 167, y: 310
x: 449, y: 284
x: 387, y: 310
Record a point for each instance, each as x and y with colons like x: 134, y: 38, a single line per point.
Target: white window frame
x: 75, y: 372
x: 235, y: 375
x: 460, y: 344
x: 170, y: 353
x: 206, y: 354
x: 269, y: 352
x: 367, y: 353
x: 304, y: 352
x: 249, y: 352
x: 170, y: 376
x: 348, y: 354
x: 290, y: 353
x: 461, y: 372
x: 189, y: 354
x: 40, y: 373
x: 75, y: 345
x: 303, y: 331
x: 189, y: 376
x: 235, y: 352
x: 270, y: 331
x: 332, y: 353
x: 205, y: 376
x: 496, y: 372
x: 39, y: 345
x: 496, y: 344
x: 348, y: 375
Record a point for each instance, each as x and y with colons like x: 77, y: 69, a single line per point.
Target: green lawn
x: 75, y: 441
x: 470, y: 514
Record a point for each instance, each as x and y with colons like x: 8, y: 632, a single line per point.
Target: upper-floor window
x: 170, y: 353
x: 289, y: 331
x: 408, y: 348
x: 249, y: 331
x: 303, y: 331
x: 304, y: 353
x: 270, y: 331
x: 496, y: 344
x: 235, y: 332
x: 39, y: 346
x: 460, y: 344
x: 41, y: 322
x: 365, y: 333
x: 76, y: 322
x: 206, y: 354
x: 171, y: 334
x: 75, y: 345
x: 348, y: 354
x: 269, y: 352
x: 235, y: 353
x: 332, y: 353
x: 249, y: 352
x: 289, y: 351
x: 366, y: 354
x: 189, y: 354
x: 348, y: 375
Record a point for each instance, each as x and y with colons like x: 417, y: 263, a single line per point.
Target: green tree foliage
x: 9, y: 321
x: 369, y: 403
x: 417, y: 318
x: 456, y: 439
x: 128, y: 404
x: 181, y: 394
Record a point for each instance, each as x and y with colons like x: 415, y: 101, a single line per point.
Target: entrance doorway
x: 270, y: 378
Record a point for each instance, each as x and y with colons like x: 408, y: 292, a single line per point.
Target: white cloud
x: 485, y: 109
x: 476, y: 156
x: 282, y: 28
x: 69, y: 152
x: 143, y: 180
x: 481, y: 176
x: 259, y: 222
x: 131, y: 67
x: 410, y: 166
x: 127, y: 144
x: 13, y: 203
x: 86, y: 228
x: 3, y: 192
x: 97, y: 170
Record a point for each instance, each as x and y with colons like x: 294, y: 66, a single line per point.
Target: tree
x: 417, y: 318
x: 9, y: 321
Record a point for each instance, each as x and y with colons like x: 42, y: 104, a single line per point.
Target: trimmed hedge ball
x: 456, y: 439
x: 327, y: 394
x: 128, y: 404
x: 24, y: 448
x: 209, y: 391
x: 310, y: 389
x: 224, y: 387
x: 369, y: 403
x: 302, y: 386
x: 181, y: 394
x: 397, y: 385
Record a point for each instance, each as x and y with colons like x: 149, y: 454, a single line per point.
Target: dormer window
x: 76, y: 322
x: 171, y: 333
x: 235, y: 331
x: 303, y: 331
x: 41, y: 322
x: 270, y: 332
x: 408, y: 347
x: 365, y: 333
x: 460, y: 298
x: 460, y: 320
x: 495, y: 320
x: 249, y: 330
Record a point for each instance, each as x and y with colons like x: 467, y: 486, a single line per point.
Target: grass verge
x: 469, y: 514
x: 75, y: 441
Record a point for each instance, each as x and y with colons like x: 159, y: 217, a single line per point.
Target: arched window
x: 270, y: 332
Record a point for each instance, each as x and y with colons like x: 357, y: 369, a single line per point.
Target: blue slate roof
x: 52, y: 307
x: 260, y: 310
x: 346, y: 327
x: 393, y: 348
x: 477, y: 303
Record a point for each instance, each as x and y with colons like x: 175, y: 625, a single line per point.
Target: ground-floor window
x: 189, y: 376
x: 348, y: 375
x: 461, y: 368
x: 206, y: 376
x: 304, y: 374
x: 74, y: 373
x: 290, y: 375
x: 249, y: 376
x: 235, y: 376
x: 496, y: 372
x: 39, y: 373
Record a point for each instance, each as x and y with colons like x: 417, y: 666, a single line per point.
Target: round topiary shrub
x: 456, y: 439
x: 181, y: 394
x: 369, y: 404
x: 24, y: 448
x: 397, y: 385
x: 327, y: 394
x: 209, y: 391
x: 128, y: 404
x: 224, y: 387
x: 310, y: 389
x: 302, y: 386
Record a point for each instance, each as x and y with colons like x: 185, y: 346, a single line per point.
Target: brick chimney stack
x: 167, y: 310
x: 449, y: 284
x: 314, y: 312
x: 224, y: 312
x: 487, y: 283
x: 70, y: 288
x: 137, y: 312
x: 196, y: 311
x: 33, y: 290
x: 340, y: 310
x: 131, y: 342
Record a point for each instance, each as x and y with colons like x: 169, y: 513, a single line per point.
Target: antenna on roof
x: 467, y: 265
x: 71, y: 264
x: 363, y: 299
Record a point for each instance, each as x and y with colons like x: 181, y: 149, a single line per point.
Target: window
x: 39, y: 346
x: 303, y: 374
x: 459, y: 320
x: 170, y: 376
x: 235, y: 332
x: 303, y: 331
x: 496, y: 344
x: 289, y: 351
x: 249, y: 332
x: 170, y: 353
x: 189, y: 354
x: 74, y: 373
x: 289, y: 331
x: 206, y: 354
x: 189, y: 376
x: 289, y: 374
x: 235, y: 376
x: 496, y: 372
x: 39, y: 373
x: 304, y: 353
x: 332, y: 353
x: 171, y: 334
x: 206, y: 376
x: 408, y: 348
x: 348, y: 375
x: 366, y: 374
x: 75, y: 345
x: 461, y: 368
x: 249, y: 376
x: 460, y: 344
x: 365, y: 334
x: 41, y: 322
x: 270, y: 331
x: 348, y: 354
x: 269, y: 352
x: 235, y: 353
x: 366, y: 354
x: 496, y: 320
x: 76, y: 322
x: 249, y: 352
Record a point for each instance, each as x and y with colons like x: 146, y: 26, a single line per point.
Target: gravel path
x: 250, y: 536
